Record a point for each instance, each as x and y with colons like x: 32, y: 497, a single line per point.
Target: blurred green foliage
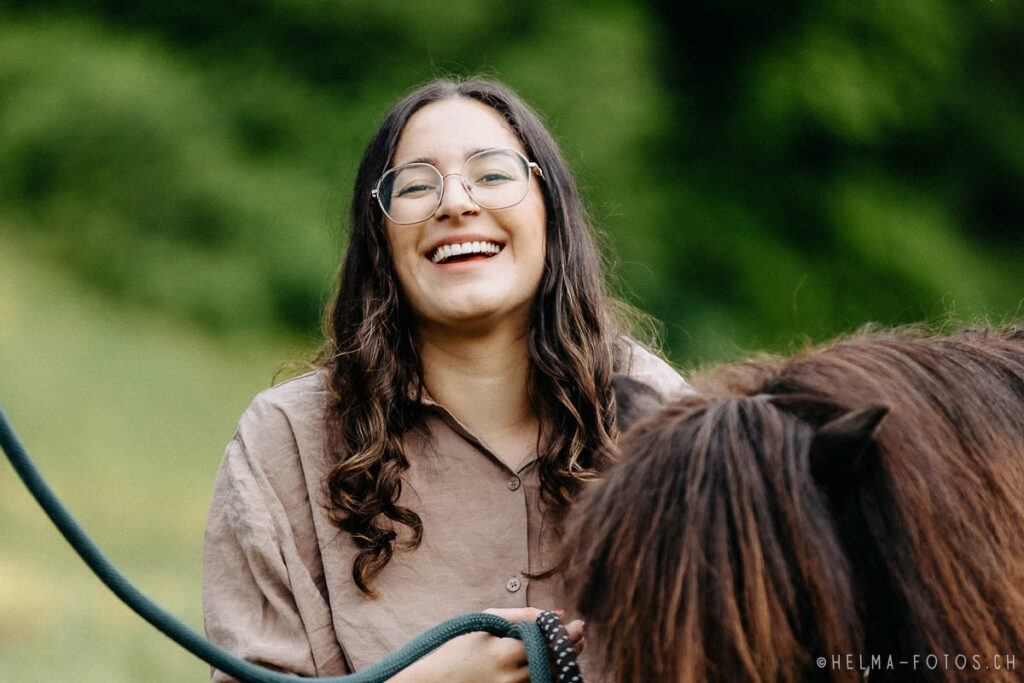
x: 762, y: 173
x: 844, y: 162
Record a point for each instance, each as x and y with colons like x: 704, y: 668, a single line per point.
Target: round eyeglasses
x: 493, y: 179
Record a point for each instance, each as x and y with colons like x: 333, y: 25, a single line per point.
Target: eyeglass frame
x: 531, y: 166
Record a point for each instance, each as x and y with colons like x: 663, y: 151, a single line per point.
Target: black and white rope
x: 562, y: 652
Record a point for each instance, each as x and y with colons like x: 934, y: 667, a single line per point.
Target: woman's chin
x: 478, y: 316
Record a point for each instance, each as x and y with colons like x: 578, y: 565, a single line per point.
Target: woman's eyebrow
x: 420, y: 160
x: 433, y: 162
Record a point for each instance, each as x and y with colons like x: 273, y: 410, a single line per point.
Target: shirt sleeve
x: 251, y: 605
x: 648, y: 368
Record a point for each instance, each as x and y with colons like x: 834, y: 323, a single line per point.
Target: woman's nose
x: 455, y: 200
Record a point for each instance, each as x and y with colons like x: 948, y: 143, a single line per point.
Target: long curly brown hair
x: 861, y: 499
x: 375, y: 375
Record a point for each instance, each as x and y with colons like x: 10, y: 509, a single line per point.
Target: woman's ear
x: 840, y: 447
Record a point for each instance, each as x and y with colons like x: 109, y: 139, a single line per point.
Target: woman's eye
x: 493, y: 178
x: 415, y: 190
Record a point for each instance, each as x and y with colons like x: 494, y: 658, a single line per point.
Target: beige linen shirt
x: 277, y: 574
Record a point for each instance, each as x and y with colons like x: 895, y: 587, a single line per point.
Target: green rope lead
x: 244, y: 671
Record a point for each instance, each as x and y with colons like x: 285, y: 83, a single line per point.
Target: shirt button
x: 513, y: 584
x: 513, y: 483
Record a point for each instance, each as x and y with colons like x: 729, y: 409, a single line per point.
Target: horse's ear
x: 634, y: 400
x: 810, y: 408
x: 840, y: 446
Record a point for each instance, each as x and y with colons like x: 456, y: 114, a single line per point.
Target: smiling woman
x: 462, y: 399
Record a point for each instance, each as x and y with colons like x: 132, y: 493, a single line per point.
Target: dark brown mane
x: 865, y: 497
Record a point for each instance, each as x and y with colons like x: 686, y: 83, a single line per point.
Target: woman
x: 854, y: 512
x: 462, y: 400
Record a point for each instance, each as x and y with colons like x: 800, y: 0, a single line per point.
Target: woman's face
x: 480, y: 291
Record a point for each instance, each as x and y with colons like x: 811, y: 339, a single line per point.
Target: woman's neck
x: 483, y: 381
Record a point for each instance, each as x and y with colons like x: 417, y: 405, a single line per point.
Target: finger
x: 576, y: 630
x: 509, y: 652
x: 514, y: 614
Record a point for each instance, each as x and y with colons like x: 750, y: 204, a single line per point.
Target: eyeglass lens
x: 495, y: 179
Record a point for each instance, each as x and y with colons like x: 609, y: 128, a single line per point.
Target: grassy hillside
x: 126, y: 413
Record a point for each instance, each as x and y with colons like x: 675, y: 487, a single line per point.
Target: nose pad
x: 455, y: 199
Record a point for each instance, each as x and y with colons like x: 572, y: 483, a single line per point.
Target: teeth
x: 447, y: 251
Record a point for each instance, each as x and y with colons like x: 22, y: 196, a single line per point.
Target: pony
x: 855, y: 510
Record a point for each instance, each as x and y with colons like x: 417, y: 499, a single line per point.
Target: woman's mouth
x: 462, y: 251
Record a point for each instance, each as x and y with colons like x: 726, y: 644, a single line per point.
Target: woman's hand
x: 575, y: 628
x: 482, y: 657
